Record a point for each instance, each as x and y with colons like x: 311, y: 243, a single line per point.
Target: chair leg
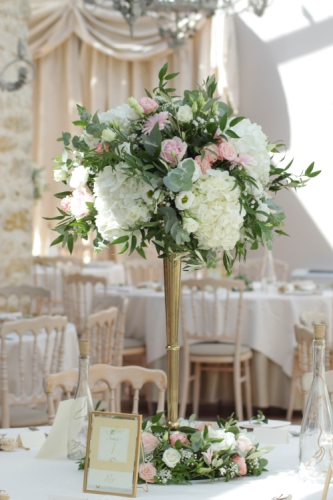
x: 248, y: 395
x: 293, y: 387
x: 238, y: 394
x: 196, y: 388
x: 184, y: 390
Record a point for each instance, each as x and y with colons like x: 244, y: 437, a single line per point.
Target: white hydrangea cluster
x: 253, y: 142
x: 119, y: 201
x: 122, y: 115
x: 217, y: 211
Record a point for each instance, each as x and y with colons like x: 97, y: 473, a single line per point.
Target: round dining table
x: 26, y: 478
x: 268, y: 329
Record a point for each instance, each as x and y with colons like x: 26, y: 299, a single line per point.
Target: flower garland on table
x: 197, y: 451
x: 180, y: 172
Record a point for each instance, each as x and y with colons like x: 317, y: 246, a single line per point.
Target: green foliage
x: 180, y: 178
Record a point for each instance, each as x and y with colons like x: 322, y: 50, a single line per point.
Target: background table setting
x: 268, y: 320
x: 21, y: 477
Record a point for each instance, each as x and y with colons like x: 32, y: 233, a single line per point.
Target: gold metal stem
x: 172, y: 271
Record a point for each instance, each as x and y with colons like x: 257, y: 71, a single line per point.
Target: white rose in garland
x: 171, y: 457
x: 185, y: 114
x: 79, y: 177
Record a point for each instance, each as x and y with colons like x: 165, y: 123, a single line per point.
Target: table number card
x: 112, y: 458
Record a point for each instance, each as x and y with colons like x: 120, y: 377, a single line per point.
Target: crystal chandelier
x: 177, y: 19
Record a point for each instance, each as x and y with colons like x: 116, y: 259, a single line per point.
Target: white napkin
x: 271, y: 436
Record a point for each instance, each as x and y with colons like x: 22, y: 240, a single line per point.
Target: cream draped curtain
x: 89, y: 58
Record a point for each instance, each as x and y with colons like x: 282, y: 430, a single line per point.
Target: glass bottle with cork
x: 82, y: 405
x: 316, y: 437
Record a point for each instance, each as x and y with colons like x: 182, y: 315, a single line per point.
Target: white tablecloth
x: 114, y: 273
x: 268, y: 328
x: 26, y: 478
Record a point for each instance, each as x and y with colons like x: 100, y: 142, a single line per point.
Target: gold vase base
x: 173, y: 425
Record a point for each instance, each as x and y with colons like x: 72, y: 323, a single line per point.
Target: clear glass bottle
x: 316, y: 437
x: 268, y: 278
x: 82, y: 405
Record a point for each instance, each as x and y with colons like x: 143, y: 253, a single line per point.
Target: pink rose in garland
x: 147, y: 471
x: 211, y: 153
x: 240, y: 461
x: 178, y: 436
x: 149, y: 442
x: 173, y: 150
x: 203, y: 164
x: 148, y: 105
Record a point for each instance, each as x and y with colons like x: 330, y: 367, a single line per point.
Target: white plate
x: 272, y: 424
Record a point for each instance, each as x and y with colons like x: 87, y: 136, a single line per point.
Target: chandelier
x: 177, y: 19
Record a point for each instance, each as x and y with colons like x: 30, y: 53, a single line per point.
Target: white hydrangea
x: 216, y: 208
x: 119, y: 202
x: 252, y: 141
x: 123, y: 115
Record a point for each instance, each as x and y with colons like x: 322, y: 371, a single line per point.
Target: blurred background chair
x: 217, y: 330
x: 48, y: 272
x: 140, y: 270
x: 37, y: 349
x: 29, y: 300
x: 252, y: 268
x: 100, y: 333
x: 306, y: 382
x: 80, y: 292
x: 112, y: 376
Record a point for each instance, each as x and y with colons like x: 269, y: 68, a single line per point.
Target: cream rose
x: 108, y: 135
x: 79, y: 177
x: 59, y: 175
x: 147, y: 472
x: 244, y: 443
x: 185, y: 114
x: 171, y: 457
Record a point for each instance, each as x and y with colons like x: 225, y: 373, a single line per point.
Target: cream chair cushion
x: 216, y: 349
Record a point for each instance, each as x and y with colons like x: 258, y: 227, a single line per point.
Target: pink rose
x: 202, y: 425
x: 178, y: 436
x: 148, y: 105
x: 100, y: 147
x: 227, y: 151
x: 149, y: 442
x: 147, y: 472
x: 244, y: 443
x: 173, y: 150
x: 65, y: 204
x: 240, y: 461
x: 211, y: 153
x: 78, y: 202
x: 203, y: 164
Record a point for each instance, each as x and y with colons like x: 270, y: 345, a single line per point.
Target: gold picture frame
x: 113, y: 453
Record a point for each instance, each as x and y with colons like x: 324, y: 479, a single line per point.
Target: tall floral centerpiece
x: 180, y: 172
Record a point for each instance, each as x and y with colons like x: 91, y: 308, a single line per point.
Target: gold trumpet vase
x: 172, y: 273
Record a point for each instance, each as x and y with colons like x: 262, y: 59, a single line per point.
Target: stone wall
x: 16, y: 191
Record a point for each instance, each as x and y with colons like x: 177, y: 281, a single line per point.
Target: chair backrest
x: 30, y: 300
x: 304, y: 338
x: 252, y: 268
x: 30, y: 348
x: 79, y: 293
x: 47, y: 272
x: 311, y: 318
x: 121, y: 303
x: 210, y: 312
x: 140, y: 270
x: 101, y: 328
x: 306, y: 383
x: 112, y: 376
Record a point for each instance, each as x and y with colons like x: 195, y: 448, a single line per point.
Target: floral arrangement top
x: 178, y: 171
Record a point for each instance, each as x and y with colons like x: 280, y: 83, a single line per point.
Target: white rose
x: 108, y: 135
x: 171, y: 457
x: 184, y: 200
x: 59, y: 175
x: 244, y: 443
x: 190, y: 224
x: 184, y: 113
x: 79, y: 177
x: 228, y: 439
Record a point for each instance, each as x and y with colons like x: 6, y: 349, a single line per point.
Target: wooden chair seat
x: 217, y: 349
